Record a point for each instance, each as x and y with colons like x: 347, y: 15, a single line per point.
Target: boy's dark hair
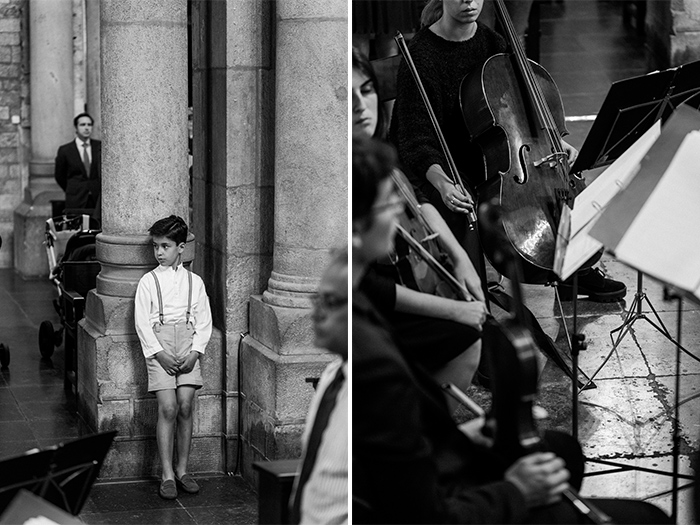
x: 173, y: 228
x: 78, y: 117
x: 372, y: 162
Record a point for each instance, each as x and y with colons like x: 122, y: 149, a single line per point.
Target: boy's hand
x: 188, y: 364
x: 168, y: 362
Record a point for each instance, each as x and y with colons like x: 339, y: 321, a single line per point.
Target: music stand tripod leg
x: 576, y: 343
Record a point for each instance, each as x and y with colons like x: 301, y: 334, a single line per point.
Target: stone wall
x: 13, y: 119
x: 673, y: 32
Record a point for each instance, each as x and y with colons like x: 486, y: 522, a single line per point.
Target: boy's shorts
x: 176, y: 339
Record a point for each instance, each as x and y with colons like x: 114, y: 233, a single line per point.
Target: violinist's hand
x: 540, y: 477
x: 571, y: 152
x: 473, y: 429
x: 465, y: 273
x: 472, y: 313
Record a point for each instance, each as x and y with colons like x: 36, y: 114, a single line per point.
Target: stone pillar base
x: 112, y: 395
x: 274, y: 388
x: 29, y: 250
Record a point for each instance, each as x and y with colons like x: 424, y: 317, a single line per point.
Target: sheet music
x: 576, y: 245
x: 663, y: 240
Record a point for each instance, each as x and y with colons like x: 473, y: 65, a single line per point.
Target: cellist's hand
x: 451, y: 195
x: 571, y: 152
x: 455, y: 200
x: 472, y: 313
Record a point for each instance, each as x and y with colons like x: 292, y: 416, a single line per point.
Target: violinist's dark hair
x: 364, y: 66
x: 372, y: 162
x: 431, y: 13
x: 173, y: 228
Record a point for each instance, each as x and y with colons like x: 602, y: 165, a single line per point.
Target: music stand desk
x: 26, y: 506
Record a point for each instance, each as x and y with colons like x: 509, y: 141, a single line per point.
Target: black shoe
x: 167, y: 489
x: 595, y: 285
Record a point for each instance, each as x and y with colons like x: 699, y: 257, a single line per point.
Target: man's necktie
x: 86, y: 159
x: 325, y: 408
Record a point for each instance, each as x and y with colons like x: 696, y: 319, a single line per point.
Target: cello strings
x: 538, y: 99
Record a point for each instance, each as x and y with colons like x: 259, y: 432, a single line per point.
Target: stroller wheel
x: 4, y: 356
x: 46, y: 339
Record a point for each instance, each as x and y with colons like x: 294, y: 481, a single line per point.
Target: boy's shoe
x: 167, y: 489
x: 187, y: 483
x: 593, y: 283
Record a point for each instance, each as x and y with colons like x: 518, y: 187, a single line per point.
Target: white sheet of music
x: 663, y: 241
x: 591, y: 202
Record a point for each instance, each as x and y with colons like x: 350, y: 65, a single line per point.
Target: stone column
x: 145, y: 178
x: 233, y: 163
x: 51, y: 99
x: 672, y: 29
x: 92, y: 61
x: 310, y: 220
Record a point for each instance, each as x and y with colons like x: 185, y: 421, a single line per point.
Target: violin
x: 513, y: 110
x: 424, y: 265
x: 514, y: 370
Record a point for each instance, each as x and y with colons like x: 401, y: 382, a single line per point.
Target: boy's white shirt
x: 174, y: 288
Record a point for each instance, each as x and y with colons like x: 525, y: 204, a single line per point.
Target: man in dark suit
x: 78, y: 170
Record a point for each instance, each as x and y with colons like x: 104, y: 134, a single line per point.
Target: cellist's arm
x: 464, y: 270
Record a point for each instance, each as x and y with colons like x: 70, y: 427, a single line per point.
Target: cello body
x: 502, y: 119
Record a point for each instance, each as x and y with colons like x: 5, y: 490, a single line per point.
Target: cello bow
x: 454, y: 174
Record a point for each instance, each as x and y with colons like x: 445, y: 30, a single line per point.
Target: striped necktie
x: 86, y: 159
x: 323, y: 413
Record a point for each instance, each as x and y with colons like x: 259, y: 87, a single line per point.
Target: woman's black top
x: 441, y: 65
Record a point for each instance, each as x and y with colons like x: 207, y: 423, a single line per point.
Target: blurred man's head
x: 375, y: 203
x: 330, y: 313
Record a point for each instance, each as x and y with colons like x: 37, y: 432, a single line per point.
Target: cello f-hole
x: 522, y: 177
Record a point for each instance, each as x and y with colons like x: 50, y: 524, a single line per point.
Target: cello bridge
x: 552, y: 159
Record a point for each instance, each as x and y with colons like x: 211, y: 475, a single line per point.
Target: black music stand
x: 631, y: 107
x: 62, y: 475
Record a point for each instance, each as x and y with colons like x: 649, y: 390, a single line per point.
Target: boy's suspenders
x: 160, y: 297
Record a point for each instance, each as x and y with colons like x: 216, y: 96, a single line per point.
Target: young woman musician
x: 450, y: 44
x: 440, y: 333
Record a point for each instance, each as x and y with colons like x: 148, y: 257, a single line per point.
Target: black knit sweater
x: 441, y: 65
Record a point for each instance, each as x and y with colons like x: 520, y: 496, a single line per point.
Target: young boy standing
x: 173, y: 322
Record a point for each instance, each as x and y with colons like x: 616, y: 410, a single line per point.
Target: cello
x: 512, y: 109
x: 514, y: 370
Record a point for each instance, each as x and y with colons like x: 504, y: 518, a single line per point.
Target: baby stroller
x: 70, y: 248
